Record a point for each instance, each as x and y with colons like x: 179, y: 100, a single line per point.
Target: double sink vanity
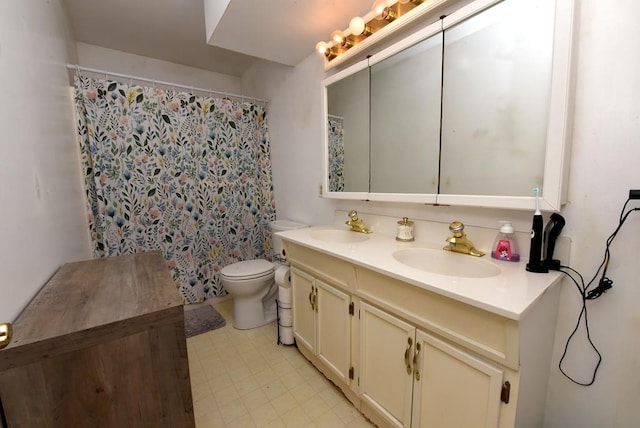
x: 417, y: 336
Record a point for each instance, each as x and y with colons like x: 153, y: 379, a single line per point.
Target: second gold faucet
x: 459, y: 243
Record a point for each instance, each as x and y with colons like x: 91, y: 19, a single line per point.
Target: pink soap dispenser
x: 505, y: 246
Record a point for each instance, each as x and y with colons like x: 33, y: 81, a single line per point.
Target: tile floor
x: 245, y: 379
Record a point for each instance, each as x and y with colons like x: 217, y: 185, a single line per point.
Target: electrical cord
x: 583, y: 312
x: 603, y: 285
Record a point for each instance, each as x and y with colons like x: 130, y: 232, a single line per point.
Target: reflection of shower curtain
x: 165, y: 170
x: 336, y: 153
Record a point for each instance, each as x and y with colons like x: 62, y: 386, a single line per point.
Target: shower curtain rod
x: 160, y: 82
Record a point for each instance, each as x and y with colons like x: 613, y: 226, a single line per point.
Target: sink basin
x: 338, y: 236
x: 446, y: 263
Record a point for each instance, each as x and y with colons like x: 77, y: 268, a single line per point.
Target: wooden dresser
x: 101, y: 345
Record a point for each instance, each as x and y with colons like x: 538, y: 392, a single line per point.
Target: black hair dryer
x: 551, y: 233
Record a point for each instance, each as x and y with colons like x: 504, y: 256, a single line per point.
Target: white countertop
x: 510, y: 293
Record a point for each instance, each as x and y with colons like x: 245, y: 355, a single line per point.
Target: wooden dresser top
x: 97, y: 297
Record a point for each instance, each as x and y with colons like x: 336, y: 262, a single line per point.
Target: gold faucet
x: 356, y: 224
x: 459, y: 242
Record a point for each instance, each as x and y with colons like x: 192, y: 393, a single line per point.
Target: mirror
x: 504, y: 97
x: 348, y: 133
x: 496, y: 100
x: 405, y: 130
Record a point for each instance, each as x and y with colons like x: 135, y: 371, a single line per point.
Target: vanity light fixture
x: 385, y: 17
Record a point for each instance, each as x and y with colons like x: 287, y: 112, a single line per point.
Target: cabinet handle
x: 416, y: 370
x: 313, y: 308
x: 407, y: 362
x: 315, y: 300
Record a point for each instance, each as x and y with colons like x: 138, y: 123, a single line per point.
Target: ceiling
x: 282, y: 31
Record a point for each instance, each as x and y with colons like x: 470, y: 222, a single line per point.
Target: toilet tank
x: 281, y: 226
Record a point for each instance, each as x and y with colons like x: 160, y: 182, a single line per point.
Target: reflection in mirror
x: 348, y: 133
x: 405, y: 119
x: 335, y: 147
x: 496, y: 100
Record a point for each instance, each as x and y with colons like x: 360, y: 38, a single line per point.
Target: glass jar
x: 405, y: 230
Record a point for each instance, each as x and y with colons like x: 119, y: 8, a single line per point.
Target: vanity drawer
x: 488, y: 334
x: 333, y: 270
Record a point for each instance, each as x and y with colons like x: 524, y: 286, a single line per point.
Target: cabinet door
x: 334, y: 329
x: 386, y: 377
x: 303, y: 306
x: 452, y: 387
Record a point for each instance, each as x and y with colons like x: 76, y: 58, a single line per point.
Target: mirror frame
x: 557, y: 152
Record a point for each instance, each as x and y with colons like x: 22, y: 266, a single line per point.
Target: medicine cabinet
x: 472, y: 110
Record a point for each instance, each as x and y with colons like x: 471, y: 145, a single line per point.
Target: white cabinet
x: 414, y: 379
x: 453, y: 388
x: 303, y: 306
x: 322, y: 321
x: 334, y: 329
x: 408, y: 357
x: 386, y: 348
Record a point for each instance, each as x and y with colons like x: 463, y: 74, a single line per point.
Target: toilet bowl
x: 254, y: 291
x: 251, y: 284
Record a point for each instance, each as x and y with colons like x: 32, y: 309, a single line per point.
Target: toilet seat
x: 248, y: 269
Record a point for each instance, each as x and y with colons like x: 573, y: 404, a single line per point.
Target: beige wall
x: 97, y: 57
x: 295, y: 134
x: 604, y: 166
x: 42, y: 221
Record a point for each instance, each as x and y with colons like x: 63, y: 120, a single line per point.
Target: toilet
x: 251, y: 283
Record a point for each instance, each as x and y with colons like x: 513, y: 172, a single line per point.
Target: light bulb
x: 338, y: 38
x: 358, y: 27
x: 322, y: 48
x: 378, y: 8
x: 382, y: 11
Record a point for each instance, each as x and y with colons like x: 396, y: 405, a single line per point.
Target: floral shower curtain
x: 170, y: 171
x: 336, y: 153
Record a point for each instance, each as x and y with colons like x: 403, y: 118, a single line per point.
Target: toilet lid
x: 247, y: 269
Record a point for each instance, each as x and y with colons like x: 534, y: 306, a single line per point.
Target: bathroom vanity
x: 417, y: 336
x: 101, y: 344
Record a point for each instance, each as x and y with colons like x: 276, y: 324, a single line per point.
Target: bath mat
x: 201, y: 320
